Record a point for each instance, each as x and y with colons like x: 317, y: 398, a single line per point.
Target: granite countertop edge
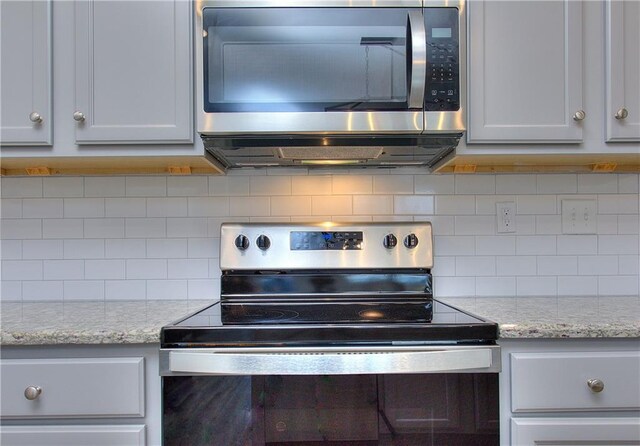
x: 94, y: 323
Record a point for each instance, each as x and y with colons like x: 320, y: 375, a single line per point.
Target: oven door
x: 357, y: 396
x: 310, y: 69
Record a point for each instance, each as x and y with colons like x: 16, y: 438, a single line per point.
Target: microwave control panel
x: 442, y: 90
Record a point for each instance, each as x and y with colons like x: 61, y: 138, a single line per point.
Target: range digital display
x: 325, y: 240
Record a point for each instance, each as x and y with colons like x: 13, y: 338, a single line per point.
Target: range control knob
x: 411, y: 241
x: 263, y: 242
x: 242, y: 242
x: 389, y: 241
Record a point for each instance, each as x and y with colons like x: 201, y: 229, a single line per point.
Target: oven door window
x: 428, y: 409
x: 306, y: 59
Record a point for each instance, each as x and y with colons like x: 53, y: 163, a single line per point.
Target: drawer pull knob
x: 35, y: 117
x: 579, y: 115
x: 79, y: 116
x: 622, y: 113
x: 595, y: 385
x: 32, y: 392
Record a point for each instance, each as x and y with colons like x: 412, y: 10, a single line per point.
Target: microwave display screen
x: 441, y: 33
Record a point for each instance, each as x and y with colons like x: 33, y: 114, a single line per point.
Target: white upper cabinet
x: 525, y: 71
x: 25, y: 64
x: 133, y: 72
x: 623, y: 70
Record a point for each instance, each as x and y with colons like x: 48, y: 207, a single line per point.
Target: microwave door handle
x: 416, y: 58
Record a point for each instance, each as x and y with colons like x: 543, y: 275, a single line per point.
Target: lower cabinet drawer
x: 105, y: 387
x: 575, y: 381
x: 575, y: 431
x: 129, y: 435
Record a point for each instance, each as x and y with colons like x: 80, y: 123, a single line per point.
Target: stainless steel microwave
x: 330, y: 82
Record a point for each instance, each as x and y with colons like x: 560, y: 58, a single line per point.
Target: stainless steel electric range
x: 329, y: 334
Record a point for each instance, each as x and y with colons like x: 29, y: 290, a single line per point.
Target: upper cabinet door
x: 133, y: 72
x: 623, y: 70
x: 525, y: 71
x: 25, y: 63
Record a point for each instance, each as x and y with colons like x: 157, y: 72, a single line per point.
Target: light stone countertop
x: 135, y: 322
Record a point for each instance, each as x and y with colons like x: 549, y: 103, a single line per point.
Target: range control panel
x: 323, y: 240
x: 442, y: 90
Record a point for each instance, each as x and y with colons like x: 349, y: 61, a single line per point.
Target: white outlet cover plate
x: 579, y: 216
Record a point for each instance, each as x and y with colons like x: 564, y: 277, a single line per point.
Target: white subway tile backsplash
x: 455, y: 205
x: 21, y: 187
x: 20, y: 229
x: 434, y: 184
x: 146, y: 186
x: 250, y: 206
x: 516, y: 184
x: 392, y: 184
x: 290, y: 205
x: 104, y: 187
x: 125, y: 289
x: 146, y: 268
x: 11, y: 290
x: 475, y: 225
x: 618, y: 285
x: 352, y: 184
x: 597, y: 184
x: 495, y: 286
x: 11, y: 208
x: 125, y: 207
x: 516, y: 266
x: 187, y: 186
x: 42, y: 208
x: 413, y: 204
x: 557, y: 265
x: 166, y: 248
x: 145, y: 227
x: 188, y: 269
x: 166, y: 207
x: 577, y: 245
x: 270, y: 185
x: 536, y: 286
x: 618, y: 244
x: 63, y: 269
x: 84, y: 207
x: 475, y: 266
x: 84, y: 249
x: 495, y: 245
x: 158, y: 237
x: 22, y: 270
x: 536, y: 204
x: 577, y: 286
x: 42, y: 290
x: 41, y: 249
x: 63, y: 187
x: 536, y: 245
x: 83, y: 290
x: 557, y: 184
x: 595, y: 265
x: 104, y: 269
x: 11, y: 249
x: 167, y: 289
x: 125, y: 248
x: 475, y: 184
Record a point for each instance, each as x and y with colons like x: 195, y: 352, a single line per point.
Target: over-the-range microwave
x: 330, y: 82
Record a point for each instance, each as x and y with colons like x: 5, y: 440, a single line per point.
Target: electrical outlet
x: 579, y: 216
x: 506, y: 213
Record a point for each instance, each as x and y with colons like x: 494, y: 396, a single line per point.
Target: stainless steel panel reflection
x: 309, y: 3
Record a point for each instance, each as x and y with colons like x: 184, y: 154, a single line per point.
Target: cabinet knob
x: 79, y: 116
x: 595, y: 385
x: 32, y: 392
x: 35, y: 117
x: 579, y: 115
x: 622, y: 113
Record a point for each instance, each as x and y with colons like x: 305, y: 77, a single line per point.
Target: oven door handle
x: 305, y: 362
x: 416, y: 59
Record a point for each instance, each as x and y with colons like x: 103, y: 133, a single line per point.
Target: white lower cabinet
x: 571, y: 391
x: 80, y: 395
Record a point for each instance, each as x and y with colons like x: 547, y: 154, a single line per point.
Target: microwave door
x: 310, y: 70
